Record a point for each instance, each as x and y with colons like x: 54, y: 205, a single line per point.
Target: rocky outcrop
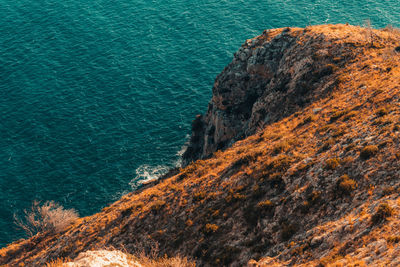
x: 270, y: 77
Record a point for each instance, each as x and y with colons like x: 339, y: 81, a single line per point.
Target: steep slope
x: 316, y: 184
x: 269, y: 78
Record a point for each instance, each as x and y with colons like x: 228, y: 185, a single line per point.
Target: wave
x: 145, y: 173
x: 180, y: 152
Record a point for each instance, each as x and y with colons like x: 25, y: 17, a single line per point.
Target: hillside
x: 309, y: 123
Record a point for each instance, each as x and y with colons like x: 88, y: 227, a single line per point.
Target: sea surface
x: 98, y: 95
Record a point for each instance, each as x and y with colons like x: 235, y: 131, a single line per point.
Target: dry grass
x: 58, y: 262
x: 167, y: 262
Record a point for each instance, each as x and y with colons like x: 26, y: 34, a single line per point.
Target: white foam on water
x: 180, y: 152
x: 146, y: 173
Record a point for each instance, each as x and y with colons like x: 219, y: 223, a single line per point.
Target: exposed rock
x: 270, y: 77
x: 102, y: 258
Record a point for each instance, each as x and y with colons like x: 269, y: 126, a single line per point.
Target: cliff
x: 271, y: 76
x: 312, y: 181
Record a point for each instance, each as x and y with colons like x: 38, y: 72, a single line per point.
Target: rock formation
x: 270, y: 77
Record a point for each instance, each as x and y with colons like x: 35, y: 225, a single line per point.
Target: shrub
x: 211, y: 228
x: 238, y: 196
x: 350, y: 147
x: 243, y: 161
x: 382, y: 213
x: 199, y: 196
x: 157, y: 205
x: 345, y: 185
x: 368, y: 151
x: 314, y: 197
x: 308, y: 119
x: 393, y: 239
x: 388, y: 190
x: 382, y: 122
x: 332, y: 164
x: 288, y: 230
x: 349, y: 115
x: 257, y: 191
x: 275, y: 180
x: 327, y: 144
x: 382, y: 112
x: 280, y: 147
x: 58, y: 262
x: 231, y: 197
x: 281, y: 163
x: 49, y: 217
x: 267, y: 204
x: 346, y: 160
x: 337, y: 114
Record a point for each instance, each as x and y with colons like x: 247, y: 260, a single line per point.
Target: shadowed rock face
x: 270, y: 77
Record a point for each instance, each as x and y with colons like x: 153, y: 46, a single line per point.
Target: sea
x: 97, y: 96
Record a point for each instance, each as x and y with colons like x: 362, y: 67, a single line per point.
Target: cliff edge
x: 270, y: 77
x: 312, y: 181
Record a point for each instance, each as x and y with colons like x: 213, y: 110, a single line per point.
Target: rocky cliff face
x: 316, y: 185
x: 269, y: 78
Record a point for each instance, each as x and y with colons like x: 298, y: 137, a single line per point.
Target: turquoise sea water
x: 95, y: 95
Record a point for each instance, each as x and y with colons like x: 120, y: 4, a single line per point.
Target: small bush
x: 58, y: 262
x: 345, y: 185
x: 382, y: 213
x: 49, y: 217
x: 337, y: 114
x: 388, y: 190
x: 234, y: 196
x: 338, y: 132
x: 382, y: 112
x: 308, y: 119
x: 199, y: 196
x: 238, y: 196
x: 349, y: 115
x: 346, y: 161
x: 393, y: 239
x: 288, y: 230
x: 280, y: 164
x: 257, y: 192
x: 211, y: 228
x: 267, y: 204
x: 368, y: 151
x: 314, y: 197
x: 327, y: 144
x: 243, y: 161
x: 225, y: 256
x: 275, y: 180
x: 281, y: 147
x: 332, y: 164
x: 382, y: 122
x: 157, y: 205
